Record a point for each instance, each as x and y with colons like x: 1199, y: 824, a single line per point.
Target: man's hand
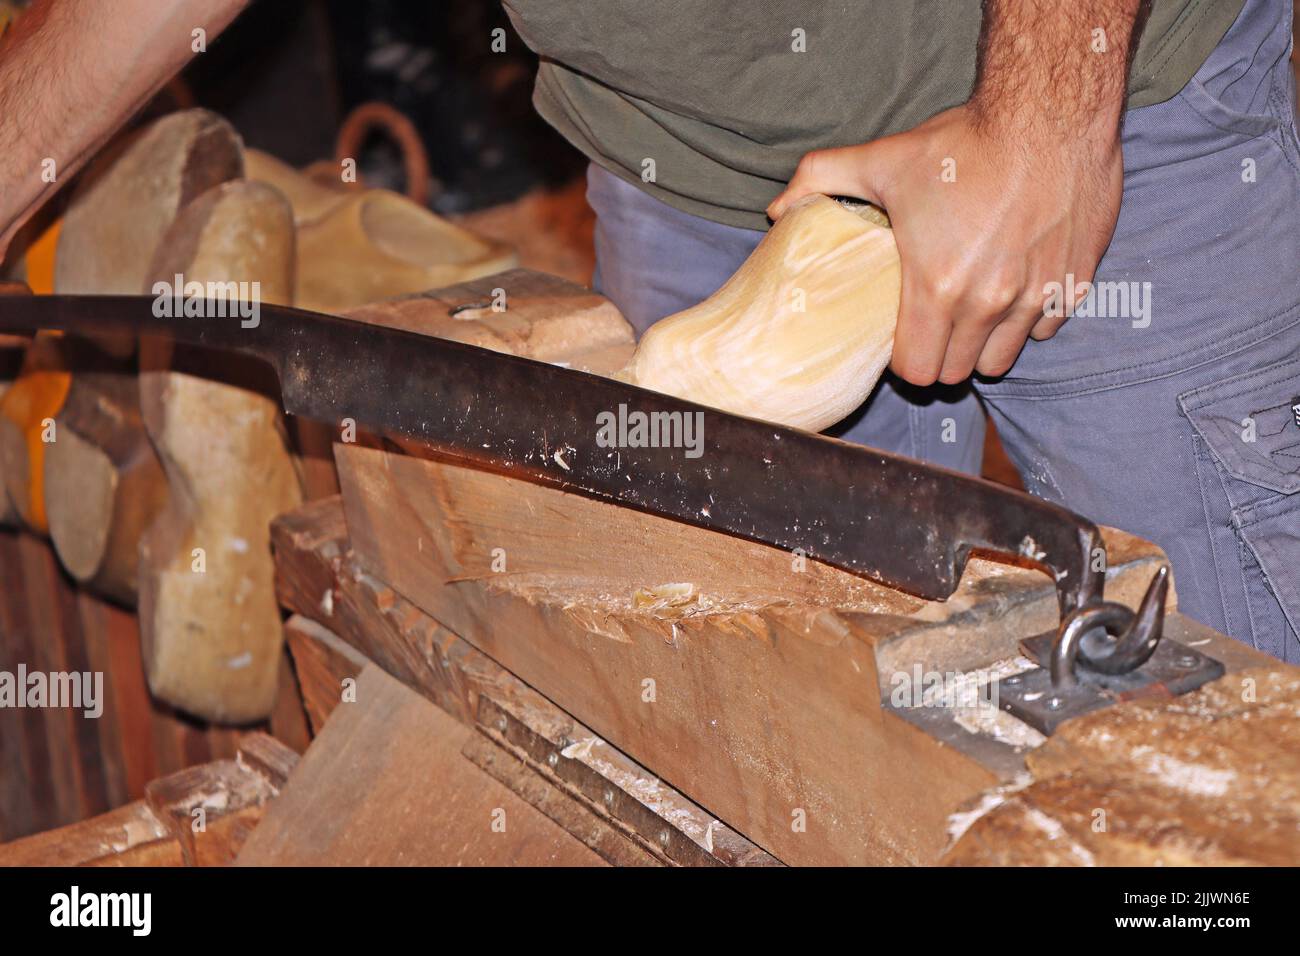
x: 993, y: 200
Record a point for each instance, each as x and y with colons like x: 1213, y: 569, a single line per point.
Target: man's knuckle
x: 998, y: 294
x: 943, y: 287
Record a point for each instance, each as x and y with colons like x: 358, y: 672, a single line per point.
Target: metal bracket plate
x: 1173, y: 669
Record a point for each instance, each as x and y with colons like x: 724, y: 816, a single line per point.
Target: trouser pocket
x: 1247, y: 451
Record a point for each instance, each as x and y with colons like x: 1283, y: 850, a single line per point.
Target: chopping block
x: 758, y: 682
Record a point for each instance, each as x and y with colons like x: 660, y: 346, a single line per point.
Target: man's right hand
x: 978, y: 250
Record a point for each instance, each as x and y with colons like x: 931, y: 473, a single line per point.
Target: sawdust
x: 961, y: 821
x: 984, y: 717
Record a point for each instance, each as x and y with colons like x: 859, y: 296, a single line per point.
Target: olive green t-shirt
x: 725, y: 96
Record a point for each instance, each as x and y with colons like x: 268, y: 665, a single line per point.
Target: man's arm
x: 994, y: 199
x: 72, y: 72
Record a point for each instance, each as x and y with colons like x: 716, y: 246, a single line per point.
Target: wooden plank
x: 110, y: 743
x: 385, y: 784
x: 135, y: 711
x: 323, y: 662
x: 92, y: 795
x: 289, y: 720
x: 192, y: 803
x: 519, y: 312
x: 200, y: 816
x: 364, y: 613
x: 30, y: 807
x: 605, y: 840
x: 46, y: 650
x: 318, y: 577
x: 768, y: 672
x: 114, y: 832
x: 267, y: 756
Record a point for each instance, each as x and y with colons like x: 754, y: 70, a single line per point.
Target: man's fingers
x: 1050, y: 320
x: 846, y: 171
x: 1008, y: 339
x: 979, y: 314
x: 924, y: 326
x: 1046, y: 327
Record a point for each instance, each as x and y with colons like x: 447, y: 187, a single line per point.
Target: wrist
x: 1043, y: 124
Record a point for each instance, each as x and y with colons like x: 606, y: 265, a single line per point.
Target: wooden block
x: 267, y: 756
x: 323, y: 663
x: 211, y: 808
x: 289, y: 721
x: 768, y: 680
x: 114, y: 832
x: 518, y: 312
x: 200, y: 816
x: 1210, y: 778
x: 618, y: 807
x: 385, y: 784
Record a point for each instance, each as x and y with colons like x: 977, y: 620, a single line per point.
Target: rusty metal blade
x: 887, y: 517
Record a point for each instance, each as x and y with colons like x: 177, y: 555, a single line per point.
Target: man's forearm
x: 72, y: 72
x: 1052, y: 67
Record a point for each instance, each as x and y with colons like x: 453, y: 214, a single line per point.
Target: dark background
x: 287, y: 72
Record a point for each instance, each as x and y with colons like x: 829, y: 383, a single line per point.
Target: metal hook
x: 1086, y: 633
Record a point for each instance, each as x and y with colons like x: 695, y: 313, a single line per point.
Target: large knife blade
x: 901, y: 522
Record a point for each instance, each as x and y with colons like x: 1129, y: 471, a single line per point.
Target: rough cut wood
x: 322, y: 662
x: 385, y: 784
x: 553, y: 761
x: 164, y: 829
x: 768, y: 680
x: 799, y: 335
x: 113, y: 832
x: 1211, y: 778
x: 192, y: 801
x: 103, y: 483
x: 211, y: 629
x: 519, y: 312
x: 289, y: 722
